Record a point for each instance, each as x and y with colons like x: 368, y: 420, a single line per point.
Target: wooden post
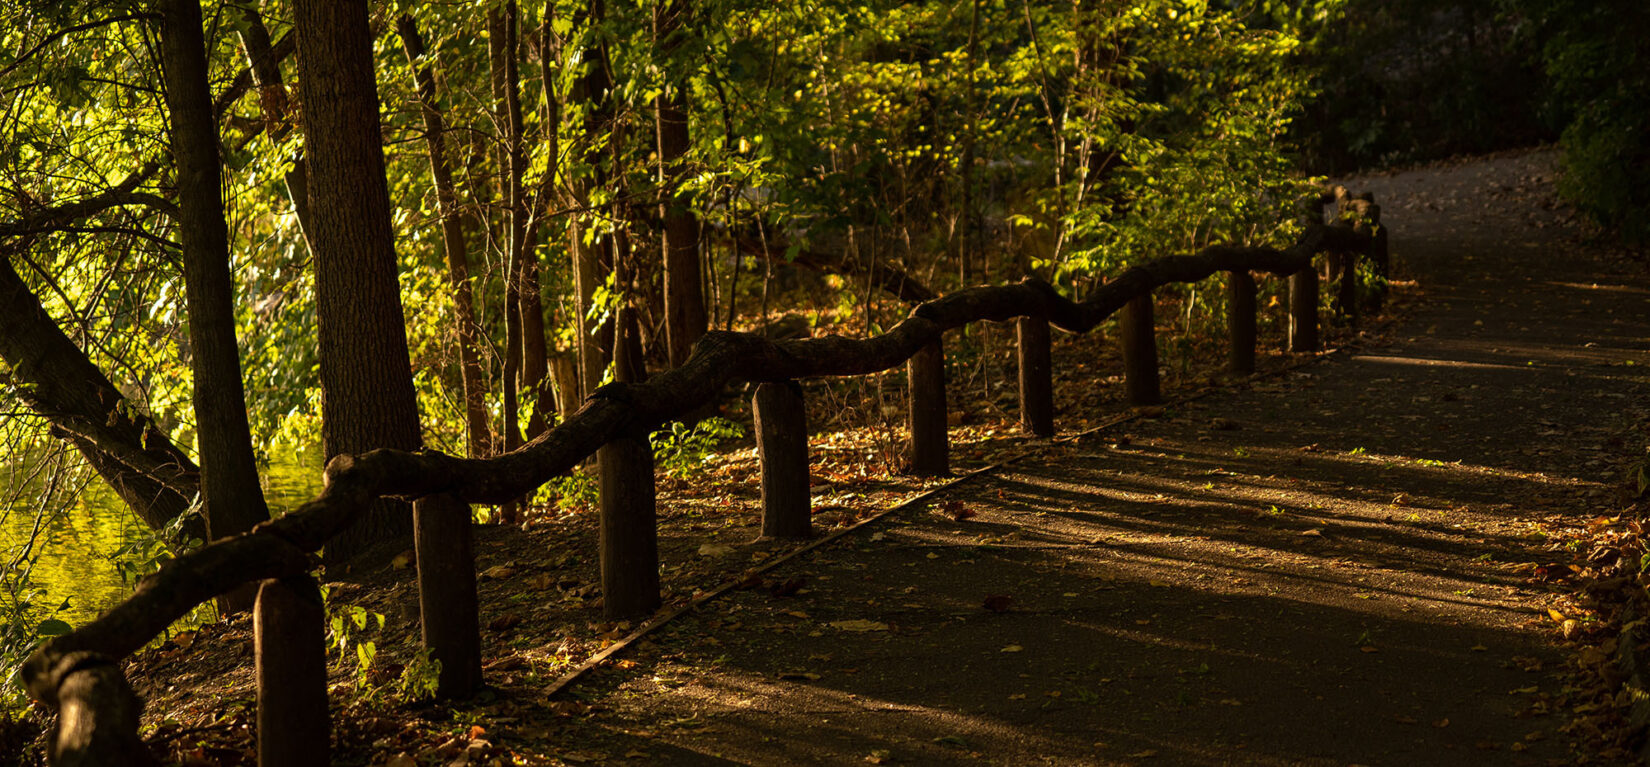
x: 1036, y: 376
x: 1380, y: 261
x: 97, y: 716
x: 288, y: 626
x: 1303, y: 310
x: 1346, y: 297
x: 930, y: 451
x: 1139, y: 338
x: 629, y: 533
x: 782, y: 446
x: 1240, y: 322
x: 447, y: 592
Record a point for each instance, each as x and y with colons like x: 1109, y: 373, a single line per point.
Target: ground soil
x: 1328, y: 568
x: 1339, y: 561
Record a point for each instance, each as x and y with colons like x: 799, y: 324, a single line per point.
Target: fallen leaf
x: 998, y: 603
x: 1441, y: 723
x: 715, y: 550
x: 858, y: 625
x: 498, y: 572
x: 1012, y: 648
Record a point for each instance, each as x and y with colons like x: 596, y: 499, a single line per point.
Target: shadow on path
x: 1339, y: 580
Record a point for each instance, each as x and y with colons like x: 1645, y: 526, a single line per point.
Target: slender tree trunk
x: 685, y: 317
x: 233, y: 498
x: 965, y: 170
x: 275, y: 104
x: 593, y: 262
x: 499, y: 56
x: 366, y: 385
x: 452, y: 243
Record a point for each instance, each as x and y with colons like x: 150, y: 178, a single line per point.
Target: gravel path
x: 1326, y: 568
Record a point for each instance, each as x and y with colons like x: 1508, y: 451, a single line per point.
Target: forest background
x: 573, y: 192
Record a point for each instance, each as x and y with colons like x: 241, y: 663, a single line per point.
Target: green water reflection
x: 77, y: 547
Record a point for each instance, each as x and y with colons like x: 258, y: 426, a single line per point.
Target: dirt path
x: 1320, y: 569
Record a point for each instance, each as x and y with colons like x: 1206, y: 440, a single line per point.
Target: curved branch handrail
x: 284, y: 546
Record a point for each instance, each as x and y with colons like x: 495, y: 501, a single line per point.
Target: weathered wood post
x: 289, y: 638
x: 930, y: 449
x: 1137, y: 326
x: 1379, y: 258
x: 1036, y: 376
x: 1346, y: 294
x: 442, y: 539
x: 97, y: 714
x: 629, y: 532
x: 1303, y: 310
x: 782, y: 446
x: 1240, y: 322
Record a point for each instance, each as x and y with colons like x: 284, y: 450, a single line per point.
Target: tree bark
x: 366, y: 384
x: 452, y: 244
x: 233, y: 499
x: 51, y: 375
x: 685, y: 317
x: 276, y: 106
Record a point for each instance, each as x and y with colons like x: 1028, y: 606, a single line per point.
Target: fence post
x: 1303, y: 310
x: 1139, y: 338
x: 1346, y: 295
x: 1380, y: 261
x: 629, y: 532
x: 1240, y: 322
x: 925, y: 372
x: 1036, y: 376
x: 288, y: 626
x: 782, y: 446
x: 451, y: 630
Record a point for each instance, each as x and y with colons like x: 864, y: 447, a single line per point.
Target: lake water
x: 77, y: 547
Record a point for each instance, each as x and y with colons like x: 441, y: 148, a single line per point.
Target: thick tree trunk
x: 452, y: 243
x: 55, y: 379
x: 366, y: 384
x: 685, y: 318
x: 233, y: 498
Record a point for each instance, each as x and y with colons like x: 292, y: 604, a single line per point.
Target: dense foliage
x: 965, y: 142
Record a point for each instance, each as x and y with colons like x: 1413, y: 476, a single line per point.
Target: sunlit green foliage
x: 978, y: 140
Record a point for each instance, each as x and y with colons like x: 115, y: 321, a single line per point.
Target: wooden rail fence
x: 79, y: 675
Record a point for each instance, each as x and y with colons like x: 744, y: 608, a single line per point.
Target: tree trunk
x: 685, y: 318
x: 592, y: 262
x: 56, y: 379
x: 452, y: 243
x: 232, y: 497
x: 366, y: 386
x: 275, y: 104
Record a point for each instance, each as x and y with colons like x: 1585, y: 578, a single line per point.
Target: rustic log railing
x: 78, y: 674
